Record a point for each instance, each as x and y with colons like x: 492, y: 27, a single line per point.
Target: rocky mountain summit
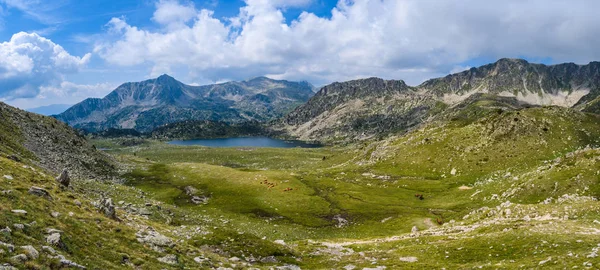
x: 367, y: 108
x: 152, y: 103
x: 564, y: 85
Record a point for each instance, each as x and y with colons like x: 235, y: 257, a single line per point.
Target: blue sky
x: 62, y: 51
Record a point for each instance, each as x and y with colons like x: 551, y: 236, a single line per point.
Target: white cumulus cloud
x: 64, y: 93
x: 29, y: 62
x: 403, y: 39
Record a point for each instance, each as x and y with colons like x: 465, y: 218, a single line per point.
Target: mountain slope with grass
x: 147, y: 105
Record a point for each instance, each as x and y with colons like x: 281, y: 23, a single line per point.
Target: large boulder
x: 107, y: 207
x: 64, y: 178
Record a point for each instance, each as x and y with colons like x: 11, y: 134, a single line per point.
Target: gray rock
x: 341, y: 222
x: 154, y: 239
x: 288, y: 267
x: 64, y: 178
x: 31, y: 252
x: 69, y: 263
x: 169, y: 259
x: 55, y: 214
x: 200, y: 259
x: 6, y: 230
x: 190, y: 191
x: 52, y: 230
x: 54, y: 239
x: 40, y: 192
x: 77, y: 202
x: 10, y: 247
x: 269, y: 259
x: 200, y: 199
x: 49, y: 250
x: 18, y: 226
x: 19, y: 211
x: 19, y: 259
x: 106, y: 207
x: 414, y: 230
x: 144, y: 212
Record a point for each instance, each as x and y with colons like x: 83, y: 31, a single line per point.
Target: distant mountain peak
x: 512, y: 60
x: 166, y: 79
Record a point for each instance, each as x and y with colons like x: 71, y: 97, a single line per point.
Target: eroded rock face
x: 64, y: 178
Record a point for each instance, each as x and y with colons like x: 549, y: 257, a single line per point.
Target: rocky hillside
x: 44, y: 141
x: 152, y: 103
x: 359, y: 109
x: 363, y: 109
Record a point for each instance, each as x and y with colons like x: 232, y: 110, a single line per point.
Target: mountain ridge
x: 359, y: 109
x: 151, y: 103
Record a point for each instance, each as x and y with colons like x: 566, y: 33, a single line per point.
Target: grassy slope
x: 373, y: 186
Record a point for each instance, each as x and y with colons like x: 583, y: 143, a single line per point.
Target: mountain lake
x: 246, y: 142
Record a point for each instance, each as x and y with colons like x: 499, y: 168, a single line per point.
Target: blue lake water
x: 246, y: 142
